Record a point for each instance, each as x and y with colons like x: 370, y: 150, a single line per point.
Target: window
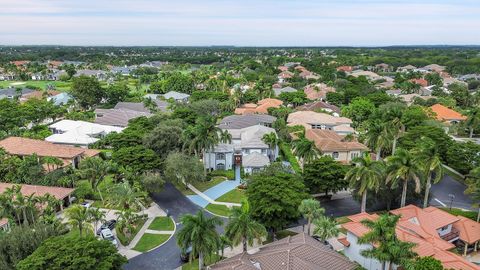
x: 335, y: 155
x: 220, y: 166
x: 220, y: 156
x: 355, y: 155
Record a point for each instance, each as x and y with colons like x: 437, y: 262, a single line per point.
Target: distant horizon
x: 247, y: 46
x: 246, y: 23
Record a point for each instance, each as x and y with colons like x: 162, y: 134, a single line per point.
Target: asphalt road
x: 168, y: 255
x: 440, y: 194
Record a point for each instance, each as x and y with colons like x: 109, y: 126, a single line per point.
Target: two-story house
x: 433, y: 231
x: 248, y: 141
x: 314, y: 120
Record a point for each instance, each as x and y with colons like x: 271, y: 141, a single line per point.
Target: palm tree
x: 402, y: 166
x: 310, y: 209
x: 377, y: 138
x: 78, y: 216
x: 224, y: 242
x: 325, y: 228
x: 198, y: 232
x: 305, y: 150
x: 366, y: 175
x: 393, y: 114
x: 126, y: 221
x: 94, y: 169
x: 53, y: 162
x: 96, y: 216
x: 473, y: 120
x: 426, y: 153
x: 126, y: 196
x: 242, y: 228
x: 473, y: 183
x: 388, y: 249
x: 271, y: 140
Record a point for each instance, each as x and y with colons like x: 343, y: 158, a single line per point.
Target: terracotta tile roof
x: 299, y: 252
x: 261, y: 107
x: 318, y: 105
x: 345, y: 68
x: 285, y: 75
x: 283, y: 68
x: 309, y: 117
x: 421, y: 82
x: 25, y: 147
x: 329, y: 141
x: 469, y: 229
x: 27, y: 190
x: 344, y: 241
x: 420, y: 226
x: 317, y: 91
x: 40, y: 94
x: 446, y: 114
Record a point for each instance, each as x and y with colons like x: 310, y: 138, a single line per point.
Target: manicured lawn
x: 60, y: 86
x: 218, y: 209
x: 149, y: 241
x: 194, y: 265
x: 458, y: 212
x: 234, y: 196
x: 341, y: 220
x: 123, y: 238
x: 162, y: 224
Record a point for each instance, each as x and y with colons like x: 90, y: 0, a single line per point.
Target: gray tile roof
x: 248, y: 120
x: 12, y: 92
x: 140, y: 106
x: 287, y: 89
x: 116, y: 117
x: 176, y: 95
x: 299, y: 252
x: 256, y: 160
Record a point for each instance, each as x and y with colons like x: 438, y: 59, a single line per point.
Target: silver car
x: 108, y: 235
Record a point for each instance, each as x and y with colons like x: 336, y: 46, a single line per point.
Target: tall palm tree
x: 78, y: 216
x: 96, y: 215
x: 377, y: 138
x: 305, y: 150
x: 126, y: 196
x: 126, y: 221
x: 325, y: 228
x: 388, y: 250
x: 52, y: 163
x: 242, y: 228
x: 271, y: 140
x: 223, y: 243
x: 473, y: 183
x: 310, y: 209
x: 426, y: 153
x: 473, y: 120
x: 366, y: 175
x: 393, y: 114
x: 94, y: 169
x: 198, y: 232
x: 402, y: 166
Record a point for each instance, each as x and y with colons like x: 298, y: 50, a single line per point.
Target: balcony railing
x: 453, y: 234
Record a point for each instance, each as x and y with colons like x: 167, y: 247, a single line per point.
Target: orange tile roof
x: 446, y: 114
x: 317, y: 91
x: 420, y: 226
x: 25, y: 147
x: 261, y: 107
x: 345, y: 68
x: 58, y: 192
x: 3, y: 222
x: 421, y: 82
x: 329, y: 140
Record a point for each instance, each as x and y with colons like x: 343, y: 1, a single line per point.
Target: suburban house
x: 334, y: 145
x: 177, y: 96
x: 69, y: 155
x: 293, y: 252
x: 317, y: 91
x: 124, y: 71
x: 247, y: 120
x: 434, y: 232
x: 99, y: 74
x: 317, y: 106
x: 4, y: 225
x: 125, y: 111
x: 284, y: 75
x: 261, y: 107
x: 79, y: 133
x: 60, y: 99
x: 283, y: 68
x: 314, y: 120
x: 38, y: 95
x: 447, y: 115
x: 422, y: 82
x: 407, y: 68
x: 59, y: 193
x: 432, y: 68
x: 382, y: 67
x: 280, y: 90
x: 345, y: 68
x: 248, y: 142
x: 12, y: 93
x: 370, y: 75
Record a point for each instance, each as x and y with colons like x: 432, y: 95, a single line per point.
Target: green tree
x: 305, y: 150
x: 164, y: 139
x: 366, y: 175
x: 126, y: 196
x: 424, y: 263
x: 96, y: 216
x: 68, y: 252
x: 325, y: 228
x: 87, y: 91
x: 183, y: 169
x: 377, y: 138
x: 359, y: 110
x: 94, y: 169
x: 392, y: 114
x: 116, y: 93
x: 78, y: 216
x: 274, y: 197
x: 388, y: 250
x: 138, y: 158
x: 271, y: 140
x: 402, y: 166
x: 242, y: 228
x: 310, y: 209
x: 473, y: 120
x: 460, y: 93
x: 199, y: 234
x: 426, y: 153
x: 325, y: 175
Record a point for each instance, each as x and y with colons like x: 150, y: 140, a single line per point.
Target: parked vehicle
x: 108, y: 235
x: 107, y: 225
x: 185, y: 255
x: 86, y: 204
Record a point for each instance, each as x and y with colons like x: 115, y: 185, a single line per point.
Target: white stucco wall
x: 353, y: 252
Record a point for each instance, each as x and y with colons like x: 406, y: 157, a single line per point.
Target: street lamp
x: 452, y: 197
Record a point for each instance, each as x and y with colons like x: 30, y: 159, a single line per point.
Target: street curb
x: 171, y: 235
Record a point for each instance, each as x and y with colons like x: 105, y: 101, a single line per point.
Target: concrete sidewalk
x: 205, y: 200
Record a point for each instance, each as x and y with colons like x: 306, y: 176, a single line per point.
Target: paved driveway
x: 167, y: 256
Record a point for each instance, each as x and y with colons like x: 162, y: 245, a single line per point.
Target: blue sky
x: 241, y: 22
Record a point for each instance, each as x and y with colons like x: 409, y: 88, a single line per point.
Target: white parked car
x: 86, y: 204
x: 108, y: 235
